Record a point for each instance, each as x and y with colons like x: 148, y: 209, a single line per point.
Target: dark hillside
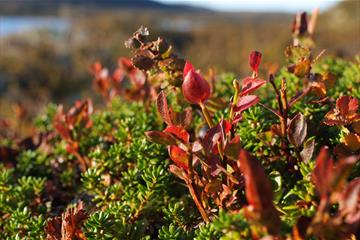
x: 52, y: 7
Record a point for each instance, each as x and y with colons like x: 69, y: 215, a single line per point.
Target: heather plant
x: 176, y: 153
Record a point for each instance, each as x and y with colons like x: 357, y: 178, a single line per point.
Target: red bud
x: 188, y: 66
x: 254, y: 60
x: 195, y: 89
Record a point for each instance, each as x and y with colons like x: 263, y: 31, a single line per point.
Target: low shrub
x: 178, y: 154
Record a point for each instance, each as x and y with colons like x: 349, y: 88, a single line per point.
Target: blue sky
x: 259, y: 5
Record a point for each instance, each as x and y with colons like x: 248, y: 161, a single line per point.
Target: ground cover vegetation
x: 179, y: 153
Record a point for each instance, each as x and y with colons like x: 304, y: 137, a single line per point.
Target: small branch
x: 299, y: 96
x: 270, y: 109
x: 298, y: 155
x: 81, y: 160
x: 211, y: 124
x: 193, y: 192
x: 206, y: 114
x: 235, y: 99
x: 284, y: 105
x: 198, y: 204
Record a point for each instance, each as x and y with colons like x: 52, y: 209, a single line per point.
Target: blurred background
x: 46, y: 46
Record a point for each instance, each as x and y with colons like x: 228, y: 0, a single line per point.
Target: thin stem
x: 211, y: 124
x: 198, y: 204
x: 235, y: 99
x: 298, y: 155
x: 193, y: 192
x: 284, y: 104
x: 219, y: 143
x: 283, y: 112
x: 279, y: 98
x: 254, y: 74
x: 82, y: 161
x: 270, y: 109
x: 206, y: 114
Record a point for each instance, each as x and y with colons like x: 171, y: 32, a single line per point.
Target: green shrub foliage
x: 178, y: 154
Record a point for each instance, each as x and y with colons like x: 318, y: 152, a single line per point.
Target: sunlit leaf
x: 163, y: 108
x: 259, y: 191
x: 183, y: 118
x: 246, y: 102
x: 297, y: 130
x: 308, y: 150
x: 233, y: 148
x: 179, y: 133
x: 160, y: 137
x: 323, y: 171
x: 179, y: 156
x: 250, y: 84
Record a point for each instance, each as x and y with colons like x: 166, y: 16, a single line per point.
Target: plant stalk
x: 235, y: 99
x: 194, y: 193
x: 209, y: 121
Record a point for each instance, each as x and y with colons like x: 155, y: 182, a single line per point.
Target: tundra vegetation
x: 179, y: 153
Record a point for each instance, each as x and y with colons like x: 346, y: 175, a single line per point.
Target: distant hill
x: 52, y: 7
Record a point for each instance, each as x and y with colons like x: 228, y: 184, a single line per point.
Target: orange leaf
x: 179, y: 133
x: 259, y: 191
x: 352, y: 141
x: 179, y: 156
x: 163, y: 109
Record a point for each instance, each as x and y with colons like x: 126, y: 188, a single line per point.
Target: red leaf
x: 254, y: 60
x: 233, y: 148
x: 137, y: 77
x: 258, y: 187
x: 69, y: 225
x: 160, y: 137
x: 71, y: 222
x: 341, y: 171
x: 125, y: 63
x: 349, y: 202
x: 323, y: 171
x: 213, y: 135
x: 328, y: 177
x: 225, y: 125
x: 211, y: 138
x: 61, y: 128
x: 178, y: 132
x: 237, y: 118
x: 246, y: 102
x: 258, y: 191
x: 347, y: 105
x: 179, y: 156
x: 250, y: 84
x: 345, y: 112
x: 179, y: 172
x: 163, y: 108
x: 332, y: 118
x: 53, y: 228
x: 182, y: 119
